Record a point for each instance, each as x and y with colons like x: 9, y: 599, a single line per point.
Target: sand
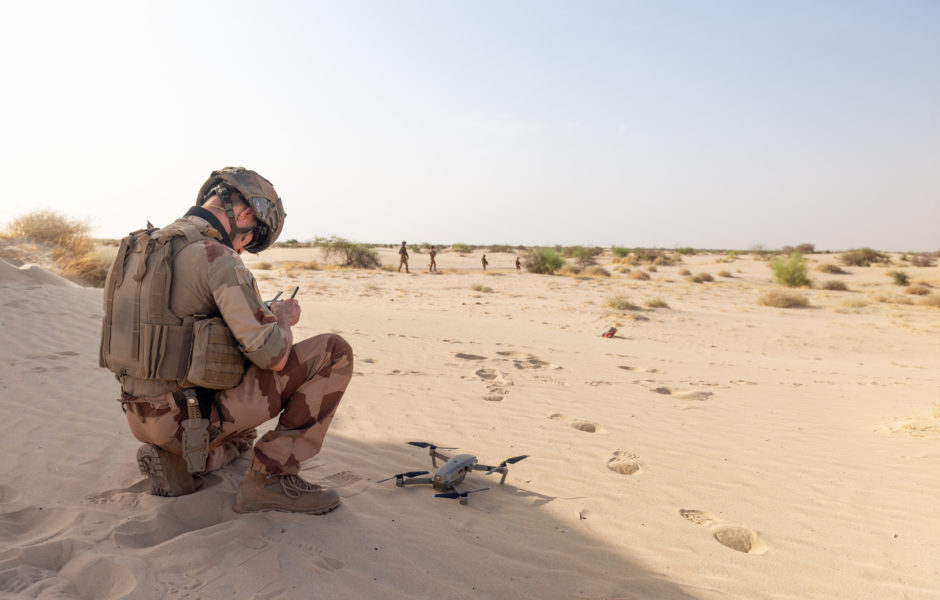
x: 713, y: 449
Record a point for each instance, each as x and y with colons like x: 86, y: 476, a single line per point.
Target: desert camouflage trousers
x: 304, y: 396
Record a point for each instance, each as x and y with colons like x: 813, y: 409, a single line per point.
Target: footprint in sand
x: 579, y: 424
x: 497, y: 384
x: 524, y: 360
x: 687, y: 395
x: 624, y: 463
x: 735, y: 537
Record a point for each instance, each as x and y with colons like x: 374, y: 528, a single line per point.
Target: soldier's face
x: 245, y: 217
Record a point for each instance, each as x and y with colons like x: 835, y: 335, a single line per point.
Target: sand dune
x: 713, y: 449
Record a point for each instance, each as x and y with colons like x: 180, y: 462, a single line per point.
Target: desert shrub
x: 921, y: 260
x: 835, y: 286
x: 700, y: 278
x: 623, y: 269
x: 863, y: 257
x: 596, y: 271
x: 461, y: 248
x: 640, y: 275
x: 543, y: 260
x: 918, y: 290
x: 725, y: 274
x: 349, y: 254
x: 264, y: 266
x: 685, y: 272
x: 73, y: 251
x: 931, y: 300
x: 619, y: 251
x: 297, y: 265
x: 791, y: 271
x: 500, y: 248
x: 583, y: 255
x: 782, y: 299
x: 900, y: 278
x: 482, y: 288
x: 686, y: 251
x: 621, y: 302
x: 652, y: 268
x: 656, y: 303
x: 831, y: 269
x: 569, y: 269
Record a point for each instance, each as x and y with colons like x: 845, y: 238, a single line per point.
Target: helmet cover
x: 260, y: 196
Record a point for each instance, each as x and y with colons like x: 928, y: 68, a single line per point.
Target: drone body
x: 447, y: 477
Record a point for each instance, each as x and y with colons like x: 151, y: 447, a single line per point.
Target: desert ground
x: 713, y: 448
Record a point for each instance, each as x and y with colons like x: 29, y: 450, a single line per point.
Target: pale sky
x: 711, y: 124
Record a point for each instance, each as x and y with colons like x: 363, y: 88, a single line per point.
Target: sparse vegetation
x: 619, y: 251
x: 639, y: 275
x: 863, y: 257
x: 349, y: 254
x: 801, y: 248
x: 685, y: 272
x: 461, y: 248
x: 791, y: 271
x: 918, y: 290
x: 783, y: 299
x: 73, y: 251
x: 656, y: 303
x: 482, y: 288
x: 583, y: 255
x: 621, y: 302
x: 543, y: 260
x: 700, y: 278
x: 569, y: 269
x: 501, y: 248
x: 921, y: 260
x: 264, y: 266
x: 725, y: 274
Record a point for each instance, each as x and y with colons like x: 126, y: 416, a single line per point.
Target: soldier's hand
x: 290, y: 309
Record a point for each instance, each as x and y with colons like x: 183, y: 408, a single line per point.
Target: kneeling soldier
x: 203, y: 360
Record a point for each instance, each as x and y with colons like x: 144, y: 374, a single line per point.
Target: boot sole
x: 166, y: 472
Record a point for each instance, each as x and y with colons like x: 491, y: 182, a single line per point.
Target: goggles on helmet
x: 268, y: 220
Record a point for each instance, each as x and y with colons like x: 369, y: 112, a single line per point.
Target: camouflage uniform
x: 209, y: 278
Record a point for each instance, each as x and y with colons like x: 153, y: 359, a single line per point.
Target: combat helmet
x: 261, y: 197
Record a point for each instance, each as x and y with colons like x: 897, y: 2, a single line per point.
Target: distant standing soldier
x: 484, y: 261
x: 432, y: 268
x: 403, y: 253
x: 518, y: 264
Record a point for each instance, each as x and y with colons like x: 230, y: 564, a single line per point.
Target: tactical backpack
x: 142, y: 337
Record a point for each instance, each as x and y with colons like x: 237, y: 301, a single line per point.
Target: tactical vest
x: 142, y: 337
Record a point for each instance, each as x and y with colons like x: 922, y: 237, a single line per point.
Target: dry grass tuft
x: 264, y: 266
x: 781, y: 299
x: 835, y: 286
x: 831, y: 269
x: 300, y: 266
x: 931, y: 300
x: 725, y: 274
x: 481, y: 288
x: 655, y: 303
x: 569, y: 269
x: 918, y: 290
x: 73, y: 251
x: 685, y: 272
x: 621, y: 302
x: 596, y: 271
x: 640, y: 275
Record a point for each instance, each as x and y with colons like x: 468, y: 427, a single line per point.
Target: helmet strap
x: 225, y: 194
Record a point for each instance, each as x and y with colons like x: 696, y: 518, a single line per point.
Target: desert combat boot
x: 259, y: 491
x: 167, y: 472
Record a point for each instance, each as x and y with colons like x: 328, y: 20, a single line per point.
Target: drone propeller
x: 428, y: 445
x: 459, y: 494
x: 403, y: 475
x: 508, y: 461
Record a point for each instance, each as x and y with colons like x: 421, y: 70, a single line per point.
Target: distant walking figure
x: 403, y: 253
x: 484, y: 261
x: 432, y: 268
x: 518, y: 264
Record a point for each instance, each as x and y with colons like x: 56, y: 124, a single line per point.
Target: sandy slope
x: 714, y: 449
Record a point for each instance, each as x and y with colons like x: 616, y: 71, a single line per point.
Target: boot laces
x: 294, y: 486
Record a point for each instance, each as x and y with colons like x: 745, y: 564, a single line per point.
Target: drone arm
x: 435, y: 455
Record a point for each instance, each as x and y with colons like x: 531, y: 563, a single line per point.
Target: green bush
x: 900, y: 278
x: 349, y: 254
x: 543, y: 260
x: 791, y: 271
x: 462, y: 248
x: 619, y: 251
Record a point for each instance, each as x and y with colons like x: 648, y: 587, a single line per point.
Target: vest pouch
x: 164, y: 352
x: 217, y: 361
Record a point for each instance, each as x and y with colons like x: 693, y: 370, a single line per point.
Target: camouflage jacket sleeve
x: 251, y: 322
